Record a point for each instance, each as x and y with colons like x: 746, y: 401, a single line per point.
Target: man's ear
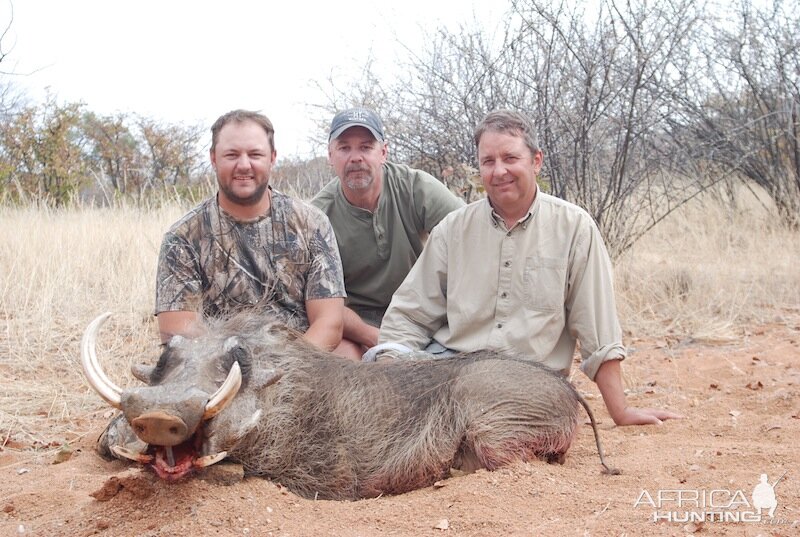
x: 538, y: 159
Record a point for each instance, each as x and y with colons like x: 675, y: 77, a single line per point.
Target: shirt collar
x: 497, y: 220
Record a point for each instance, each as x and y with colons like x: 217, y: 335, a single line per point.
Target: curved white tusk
x: 91, y: 365
x: 208, y: 460
x: 126, y: 453
x: 225, y: 394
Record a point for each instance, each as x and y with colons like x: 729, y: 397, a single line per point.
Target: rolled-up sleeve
x: 591, y: 308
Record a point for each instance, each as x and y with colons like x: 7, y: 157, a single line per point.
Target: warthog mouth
x: 184, y: 460
x: 172, y: 463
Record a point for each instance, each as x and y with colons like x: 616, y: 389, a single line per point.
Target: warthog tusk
x: 225, y: 393
x: 170, y: 455
x: 91, y: 365
x: 208, y: 460
x: 126, y: 453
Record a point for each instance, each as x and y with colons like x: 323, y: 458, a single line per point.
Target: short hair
x: 240, y: 116
x: 508, y: 122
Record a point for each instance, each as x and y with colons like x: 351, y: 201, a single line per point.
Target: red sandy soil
x: 742, y: 419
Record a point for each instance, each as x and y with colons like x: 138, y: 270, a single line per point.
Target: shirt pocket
x: 544, y: 283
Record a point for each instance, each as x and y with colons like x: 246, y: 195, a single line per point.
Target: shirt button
x: 499, y: 325
x: 507, y: 264
x: 503, y: 294
x: 508, y: 234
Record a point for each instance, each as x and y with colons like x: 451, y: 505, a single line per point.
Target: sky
x: 191, y: 61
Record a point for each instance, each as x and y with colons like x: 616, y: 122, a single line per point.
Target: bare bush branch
x: 743, y: 117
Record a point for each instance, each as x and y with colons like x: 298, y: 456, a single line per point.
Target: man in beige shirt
x: 519, y: 271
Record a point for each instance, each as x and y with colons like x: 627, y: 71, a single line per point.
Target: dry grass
x: 704, y: 274
x: 709, y: 272
x: 61, y: 269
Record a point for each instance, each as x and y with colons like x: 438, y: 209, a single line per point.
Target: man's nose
x: 243, y: 162
x: 499, y: 170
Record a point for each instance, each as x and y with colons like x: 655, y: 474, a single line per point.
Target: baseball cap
x: 356, y: 117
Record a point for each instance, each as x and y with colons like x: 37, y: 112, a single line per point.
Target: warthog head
x: 180, y: 397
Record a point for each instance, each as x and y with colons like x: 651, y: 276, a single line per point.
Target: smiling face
x: 508, y: 170
x: 243, y: 160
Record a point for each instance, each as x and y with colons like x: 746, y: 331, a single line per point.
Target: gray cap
x: 356, y: 117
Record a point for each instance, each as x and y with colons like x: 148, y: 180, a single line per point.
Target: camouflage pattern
x: 215, y: 265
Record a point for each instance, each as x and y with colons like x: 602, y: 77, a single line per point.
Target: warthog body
x: 328, y: 427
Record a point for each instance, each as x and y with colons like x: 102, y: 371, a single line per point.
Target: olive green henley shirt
x: 378, y: 249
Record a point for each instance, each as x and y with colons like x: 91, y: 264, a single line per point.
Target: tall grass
x: 60, y: 269
x: 709, y: 271
x: 705, y: 273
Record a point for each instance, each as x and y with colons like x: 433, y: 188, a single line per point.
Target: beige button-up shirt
x: 533, y: 290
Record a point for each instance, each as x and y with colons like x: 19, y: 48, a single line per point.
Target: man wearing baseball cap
x: 381, y: 214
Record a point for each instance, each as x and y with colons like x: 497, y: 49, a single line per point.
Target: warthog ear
x: 143, y: 372
x: 237, y: 352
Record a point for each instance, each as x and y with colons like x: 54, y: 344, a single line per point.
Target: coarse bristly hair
x: 338, y: 429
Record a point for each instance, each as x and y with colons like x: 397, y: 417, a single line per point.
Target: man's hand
x: 178, y: 323
x: 609, y: 381
x: 358, y: 331
x: 643, y: 416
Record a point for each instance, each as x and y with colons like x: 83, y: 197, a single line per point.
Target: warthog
x: 329, y: 427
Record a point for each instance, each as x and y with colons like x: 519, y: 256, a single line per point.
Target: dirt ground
x: 742, y: 419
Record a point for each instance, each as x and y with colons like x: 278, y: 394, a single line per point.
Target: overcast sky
x: 190, y: 61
